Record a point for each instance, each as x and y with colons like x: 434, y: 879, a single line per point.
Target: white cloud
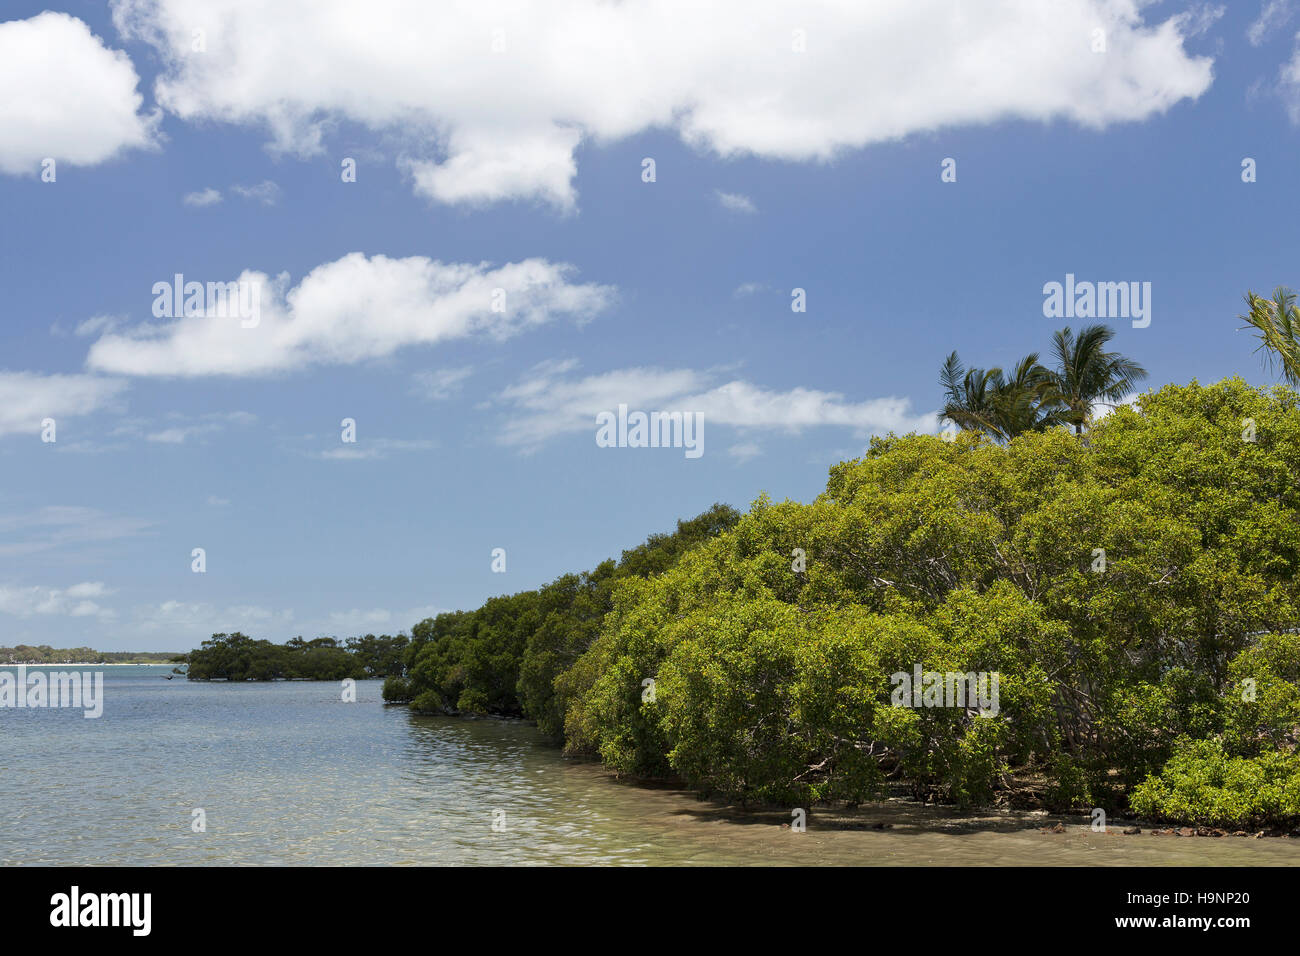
x: 735, y: 202
x: 357, y: 621
x: 547, y: 403
x: 486, y: 167
x: 68, y: 602
x: 1273, y: 16
x: 199, y: 620
x: 65, y: 95
x: 194, y: 622
x: 97, y: 325
x: 26, y: 398
x: 63, y: 528
x: 1288, y: 85
x: 746, y: 289
x: 495, y: 100
x: 437, y: 385
x: 744, y: 451
x: 265, y: 192
x: 1100, y: 410
x: 204, y: 197
x: 181, y: 428
x: 1198, y: 18
x: 352, y: 310
x: 373, y: 448
x: 177, y: 436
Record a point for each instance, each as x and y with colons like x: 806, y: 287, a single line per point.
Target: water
x: 288, y: 773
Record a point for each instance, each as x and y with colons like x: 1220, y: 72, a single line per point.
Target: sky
x: 470, y: 228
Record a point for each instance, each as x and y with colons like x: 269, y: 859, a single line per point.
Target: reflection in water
x: 289, y: 774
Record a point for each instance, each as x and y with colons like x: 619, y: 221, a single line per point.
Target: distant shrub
x: 397, y: 690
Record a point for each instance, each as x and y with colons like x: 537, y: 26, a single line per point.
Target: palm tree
x: 986, y: 400
x: 1086, y: 374
x: 1027, y: 400
x: 1277, y: 321
x: 968, y: 396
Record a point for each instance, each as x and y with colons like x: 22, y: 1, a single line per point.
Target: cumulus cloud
x: 26, y: 398
x: 65, y: 95
x: 266, y: 192
x: 75, y: 601
x: 352, y: 310
x: 494, y: 100
x: 181, y: 618
x: 549, y: 402
x: 203, y: 197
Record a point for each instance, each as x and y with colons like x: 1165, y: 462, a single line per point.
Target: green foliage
x: 1262, y: 708
x: 969, y: 557
x: 378, y: 656
x: 238, y: 657
x: 397, y: 690
x: 1001, y: 406
x: 1203, y: 784
x: 1276, y: 322
x: 1033, y: 398
x: 507, y: 657
x: 1132, y: 592
x: 44, y: 654
x: 760, y: 702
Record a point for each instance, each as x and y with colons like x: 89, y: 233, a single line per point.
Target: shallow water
x: 287, y: 773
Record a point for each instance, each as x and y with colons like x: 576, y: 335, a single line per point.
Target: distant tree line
x: 44, y: 654
x: 238, y: 657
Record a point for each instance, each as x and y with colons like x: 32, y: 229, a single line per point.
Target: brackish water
x: 288, y: 773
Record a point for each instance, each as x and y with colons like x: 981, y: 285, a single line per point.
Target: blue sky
x: 774, y: 170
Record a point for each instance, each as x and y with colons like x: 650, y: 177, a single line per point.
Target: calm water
x: 290, y: 774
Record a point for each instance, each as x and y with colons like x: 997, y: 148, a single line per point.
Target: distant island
x: 238, y: 657
x: 44, y: 654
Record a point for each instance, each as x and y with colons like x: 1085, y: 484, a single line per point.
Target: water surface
x: 288, y: 773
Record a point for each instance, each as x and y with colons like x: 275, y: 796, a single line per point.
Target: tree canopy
x: 1133, y: 594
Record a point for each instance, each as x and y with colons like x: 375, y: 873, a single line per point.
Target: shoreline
x: 867, y: 815
x: 850, y: 817
x: 89, y: 664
